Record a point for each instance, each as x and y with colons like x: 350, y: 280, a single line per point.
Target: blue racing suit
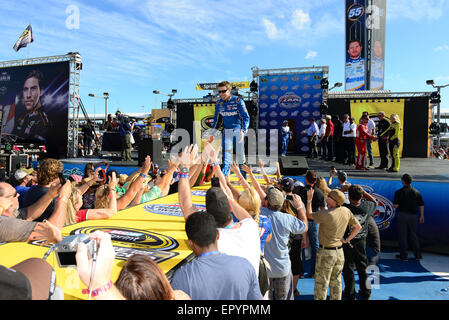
x: 285, y: 137
x: 355, y: 74
x: 235, y: 119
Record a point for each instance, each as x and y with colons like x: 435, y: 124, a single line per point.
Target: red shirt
x: 329, y: 128
x: 362, y: 132
x: 81, y: 215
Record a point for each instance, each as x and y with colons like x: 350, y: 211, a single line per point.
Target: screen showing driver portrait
x: 34, y: 100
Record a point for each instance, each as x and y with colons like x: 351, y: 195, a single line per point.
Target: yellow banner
x: 203, y: 117
x: 373, y: 108
x: 214, y: 86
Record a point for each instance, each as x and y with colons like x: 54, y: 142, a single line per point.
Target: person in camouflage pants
x: 330, y: 258
x: 330, y: 263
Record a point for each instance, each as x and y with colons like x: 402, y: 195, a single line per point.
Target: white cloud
x: 441, y: 79
x: 416, y: 10
x: 300, y: 20
x: 248, y: 48
x: 311, y: 54
x: 270, y: 29
x: 442, y: 48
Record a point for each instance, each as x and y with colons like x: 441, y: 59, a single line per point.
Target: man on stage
x: 383, y: 126
x: 235, y: 121
x: 285, y: 137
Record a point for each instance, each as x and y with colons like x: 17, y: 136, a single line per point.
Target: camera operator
x: 126, y: 131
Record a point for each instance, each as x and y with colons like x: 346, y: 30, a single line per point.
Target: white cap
x: 19, y: 174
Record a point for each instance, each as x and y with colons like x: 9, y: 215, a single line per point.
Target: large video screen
x: 35, y: 100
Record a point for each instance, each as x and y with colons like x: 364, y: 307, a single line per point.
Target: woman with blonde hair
x: 74, y: 212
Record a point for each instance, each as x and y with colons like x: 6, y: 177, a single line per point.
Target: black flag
x: 24, y: 39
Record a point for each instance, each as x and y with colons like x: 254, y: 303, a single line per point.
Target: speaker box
x: 293, y: 165
x: 152, y: 147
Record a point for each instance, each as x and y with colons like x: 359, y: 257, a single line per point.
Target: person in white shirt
x: 321, y: 134
x: 348, y: 137
x: 312, y: 134
x: 372, y: 130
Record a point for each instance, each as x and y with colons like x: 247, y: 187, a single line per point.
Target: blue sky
x: 130, y: 48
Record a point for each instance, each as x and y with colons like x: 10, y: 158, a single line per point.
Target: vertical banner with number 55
x: 355, y: 66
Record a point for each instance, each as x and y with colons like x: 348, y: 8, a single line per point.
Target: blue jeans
x: 284, y: 146
x: 229, y: 142
x: 313, y: 239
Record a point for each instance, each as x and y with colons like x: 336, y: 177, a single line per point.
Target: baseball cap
x: 32, y: 279
x: 275, y: 197
x: 337, y: 196
x: 285, y: 121
x: 287, y: 184
x: 217, y: 204
x: 20, y: 174
x: 342, y: 175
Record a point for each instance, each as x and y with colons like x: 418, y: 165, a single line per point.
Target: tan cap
x: 275, y: 197
x: 337, y: 196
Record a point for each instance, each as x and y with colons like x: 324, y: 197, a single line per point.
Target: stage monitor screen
x: 35, y: 100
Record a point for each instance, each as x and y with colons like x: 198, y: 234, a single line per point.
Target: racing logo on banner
x: 289, y: 100
x: 134, y: 237
x: 170, y: 209
x: 355, y: 11
x: 385, y: 211
x: 206, y: 123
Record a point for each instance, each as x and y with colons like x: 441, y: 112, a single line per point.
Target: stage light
x: 253, y: 87
x: 434, y: 128
x: 323, y: 108
x: 435, y: 97
x: 169, y: 127
x: 336, y: 85
x: 324, y: 83
x: 429, y: 82
x: 156, y: 92
x: 170, y: 104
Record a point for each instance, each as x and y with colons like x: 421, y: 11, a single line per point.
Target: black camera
x: 308, y: 187
x: 289, y: 197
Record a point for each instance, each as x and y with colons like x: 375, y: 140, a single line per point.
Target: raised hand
x: 247, y: 169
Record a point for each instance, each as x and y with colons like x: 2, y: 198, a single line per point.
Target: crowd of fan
x: 440, y: 153
x: 249, y: 244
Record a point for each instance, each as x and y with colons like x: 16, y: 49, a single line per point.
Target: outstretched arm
x: 254, y: 182
x: 184, y: 192
x: 130, y: 194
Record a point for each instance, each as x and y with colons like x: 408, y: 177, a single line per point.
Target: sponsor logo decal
x: 169, y: 209
x: 289, y: 100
